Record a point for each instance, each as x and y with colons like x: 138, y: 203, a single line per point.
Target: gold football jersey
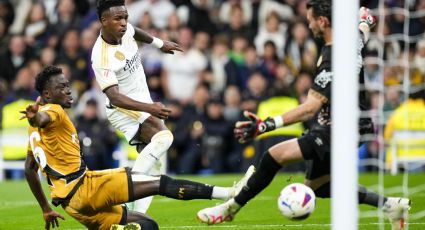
x: 56, y: 149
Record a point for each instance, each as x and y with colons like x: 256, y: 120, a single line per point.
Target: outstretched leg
x: 281, y: 154
x: 163, y: 185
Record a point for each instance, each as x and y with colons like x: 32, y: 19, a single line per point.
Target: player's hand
x: 170, y: 47
x: 366, y: 18
x: 31, y: 110
x: 159, y: 110
x: 51, y: 219
x: 248, y: 130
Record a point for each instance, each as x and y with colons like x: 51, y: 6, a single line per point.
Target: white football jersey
x: 121, y: 65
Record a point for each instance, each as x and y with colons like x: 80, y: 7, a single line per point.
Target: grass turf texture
x: 19, y: 210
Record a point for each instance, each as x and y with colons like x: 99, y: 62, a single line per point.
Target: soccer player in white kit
x: 119, y: 72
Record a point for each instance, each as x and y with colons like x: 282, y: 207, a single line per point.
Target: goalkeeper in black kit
x: 314, y: 146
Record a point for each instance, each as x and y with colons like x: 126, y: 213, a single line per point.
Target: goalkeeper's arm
x: 303, y: 112
x: 248, y: 130
x: 367, y: 22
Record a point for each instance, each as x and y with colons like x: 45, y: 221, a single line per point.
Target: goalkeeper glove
x: 366, y: 17
x: 248, y: 130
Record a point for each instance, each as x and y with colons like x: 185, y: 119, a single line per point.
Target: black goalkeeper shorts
x: 315, y: 147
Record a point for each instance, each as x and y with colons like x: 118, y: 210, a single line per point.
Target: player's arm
x: 156, y: 109
x: 305, y: 111
x: 247, y: 130
x: 50, y: 216
x: 36, y: 118
x: 367, y: 22
x: 165, y: 46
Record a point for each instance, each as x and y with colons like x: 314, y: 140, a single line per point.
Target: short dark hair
x: 44, y: 76
x: 103, y: 5
x: 321, y: 8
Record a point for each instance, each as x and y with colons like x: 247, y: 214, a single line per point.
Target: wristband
x: 278, y: 120
x: 158, y: 43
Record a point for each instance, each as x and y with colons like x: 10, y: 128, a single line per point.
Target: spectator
x: 182, y: 70
x: 236, y: 25
x: 22, y: 87
x: 270, y: 57
x: 173, y: 124
x: 237, y: 60
x: 253, y: 64
x: 4, y: 36
x: 159, y: 10
x: 173, y: 26
x: 302, y: 83
x: 216, y: 74
x: 67, y: 19
x: 257, y: 85
x: 186, y: 134
x: 419, y: 58
x: 232, y: 99
x: 47, y: 56
x: 284, y: 11
x: 201, y: 9
x: 71, y: 54
x: 36, y: 28
x: 88, y: 38
x: 226, y: 11
x: 97, y: 138
x: 408, y: 121
x: 281, y: 84
x: 274, y: 31
x: 300, y: 50
x: 94, y: 93
x: 211, y: 133
x: 146, y: 22
x: 15, y: 57
x: 7, y: 13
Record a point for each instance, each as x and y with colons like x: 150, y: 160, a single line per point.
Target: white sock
x: 146, y: 160
x: 221, y: 193
x: 159, y: 167
x: 153, y: 151
x: 142, y: 205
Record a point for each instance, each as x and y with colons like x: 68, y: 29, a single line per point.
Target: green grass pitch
x: 19, y: 210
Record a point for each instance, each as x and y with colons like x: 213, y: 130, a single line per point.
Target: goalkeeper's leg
x: 271, y: 162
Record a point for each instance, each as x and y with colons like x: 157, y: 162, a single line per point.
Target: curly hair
x: 321, y: 8
x: 103, y: 5
x: 42, y: 79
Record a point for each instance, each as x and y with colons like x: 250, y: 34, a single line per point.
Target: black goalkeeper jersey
x: 322, y: 85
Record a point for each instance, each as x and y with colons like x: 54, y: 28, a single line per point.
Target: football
x: 296, y: 201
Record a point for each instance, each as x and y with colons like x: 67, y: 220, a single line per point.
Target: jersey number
x: 38, y: 152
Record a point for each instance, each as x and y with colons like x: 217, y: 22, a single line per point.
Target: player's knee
x: 148, y: 224
x: 164, y: 137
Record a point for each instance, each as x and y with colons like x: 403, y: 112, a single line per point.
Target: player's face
x: 314, y: 23
x: 59, y: 91
x: 114, y: 21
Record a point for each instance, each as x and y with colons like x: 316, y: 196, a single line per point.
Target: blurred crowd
x: 255, y: 55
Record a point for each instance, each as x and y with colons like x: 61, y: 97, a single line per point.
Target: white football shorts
x: 126, y: 121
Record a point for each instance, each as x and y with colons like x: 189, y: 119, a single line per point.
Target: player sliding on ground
x: 313, y: 146
x: 93, y: 198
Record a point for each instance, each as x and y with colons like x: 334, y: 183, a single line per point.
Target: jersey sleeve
x: 321, y: 87
x: 55, y: 112
x: 105, y: 78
